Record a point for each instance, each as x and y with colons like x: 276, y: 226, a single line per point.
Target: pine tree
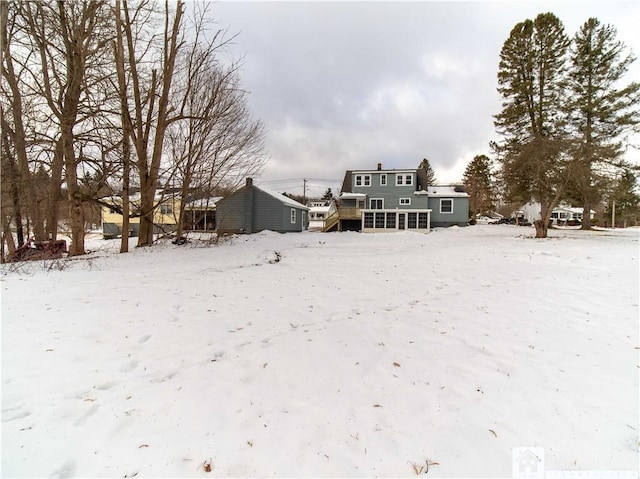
x: 531, y: 78
x: 327, y: 194
x: 426, y: 166
x: 477, y: 183
x: 600, y: 111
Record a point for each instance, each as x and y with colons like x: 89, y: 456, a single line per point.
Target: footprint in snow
x: 66, y: 470
x: 144, y: 339
x: 130, y: 366
x: 90, y: 412
x: 14, y: 413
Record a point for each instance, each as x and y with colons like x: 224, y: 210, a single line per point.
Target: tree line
x: 101, y: 98
x: 565, y: 119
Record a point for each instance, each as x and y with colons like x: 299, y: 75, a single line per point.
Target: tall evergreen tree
x: 531, y: 78
x: 599, y: 111
x: 426, y: 166
x: 477, y: 183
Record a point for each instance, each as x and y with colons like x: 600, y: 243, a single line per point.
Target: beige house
x: 165, y: 216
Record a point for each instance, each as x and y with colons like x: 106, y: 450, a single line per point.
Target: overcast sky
x: 347, y: 85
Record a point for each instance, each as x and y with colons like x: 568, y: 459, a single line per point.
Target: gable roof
x: 280, y: 197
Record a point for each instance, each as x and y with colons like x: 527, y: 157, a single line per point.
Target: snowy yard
x: 325, y: 355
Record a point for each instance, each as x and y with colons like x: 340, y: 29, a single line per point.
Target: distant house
x: 200, y: 214
x: 165, y: 215
x: 564, y: 214
x: 252, y: 209
x: 560, y: 215
x: 319, y: 211
x: 391, y: 200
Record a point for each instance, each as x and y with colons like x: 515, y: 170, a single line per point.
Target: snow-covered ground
x: 324, y: 355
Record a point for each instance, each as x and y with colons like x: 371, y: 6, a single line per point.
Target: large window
x: 363, y: 180
x: 423, y: 220
x: 404, y: 180
x: 446, y: 206
x: 376, y: 203
x: 412, y: 220
x: 379, y: 220
x: 368, y: 220
x: 391, y: 220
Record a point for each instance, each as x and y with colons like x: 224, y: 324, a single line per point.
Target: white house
x: 560, y: 215
x: 319, y: 211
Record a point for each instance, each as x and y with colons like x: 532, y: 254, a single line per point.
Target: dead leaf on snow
x: 396, y: 365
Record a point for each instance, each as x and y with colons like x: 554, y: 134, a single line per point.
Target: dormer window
x: 363, y: 180
x: 404, y: 180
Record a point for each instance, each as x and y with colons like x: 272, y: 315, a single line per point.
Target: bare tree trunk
x: 148, y: 190
x: 55, y: 188
x: 586, y: 214
x: 126, y: 129
x: 27, y: 185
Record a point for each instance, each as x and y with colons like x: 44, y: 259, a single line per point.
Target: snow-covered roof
x: 571, y: 209
x: 320, y: 209
x: 447, y: 191
x: 283, y: 198
x: 352, y: 195
x: 203, y: 202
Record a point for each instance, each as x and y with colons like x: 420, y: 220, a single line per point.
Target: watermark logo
x: 528, y: 462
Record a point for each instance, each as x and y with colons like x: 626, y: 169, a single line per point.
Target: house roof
x: 571, y: 209
x: 284, y: 199
x: 203, y: 202
x: 352, y: 195
x: 448, y: 191
x: 320, y: 209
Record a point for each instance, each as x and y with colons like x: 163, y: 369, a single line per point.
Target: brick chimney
x: 379, y: 166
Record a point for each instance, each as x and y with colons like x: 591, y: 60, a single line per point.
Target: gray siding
x: 459, y: 216
x: 230, y: 212
x: 391, y: 193
x: 267, y: 214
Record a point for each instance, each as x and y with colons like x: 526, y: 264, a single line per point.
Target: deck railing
x: 349, y: 213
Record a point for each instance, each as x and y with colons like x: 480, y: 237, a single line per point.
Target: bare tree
x: 14, y: 136
x: 151, y: 94
x: 217, y: 143
x: 70, y: 40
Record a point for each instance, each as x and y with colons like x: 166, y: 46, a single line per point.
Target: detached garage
x: 252, y: 209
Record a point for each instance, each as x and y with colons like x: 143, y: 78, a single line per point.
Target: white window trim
x: 376, y: 199
x: 293, y: 216
x: 362, y: 181
x: 408, y: 180
x: 405, y: 201
x: 383, y: 176
x: 446, y: 212
x: 399, y: 179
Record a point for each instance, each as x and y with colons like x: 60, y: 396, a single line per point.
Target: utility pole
x: 304, y: 191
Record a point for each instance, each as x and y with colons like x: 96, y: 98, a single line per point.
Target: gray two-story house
x: 391, y: 200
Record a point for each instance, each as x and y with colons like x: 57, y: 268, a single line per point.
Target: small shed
x: 252, y: 209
